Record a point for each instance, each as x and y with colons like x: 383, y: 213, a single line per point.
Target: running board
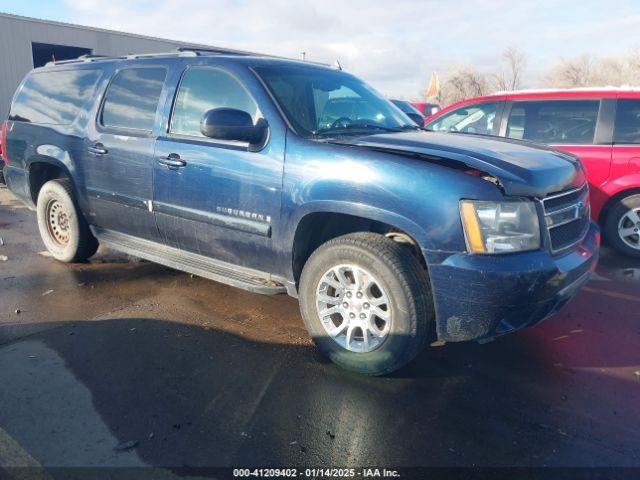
x: 252, y: 280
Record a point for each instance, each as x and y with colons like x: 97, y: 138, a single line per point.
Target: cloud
x: 393, y: 45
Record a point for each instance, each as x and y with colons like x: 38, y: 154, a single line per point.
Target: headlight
x: 500, y: 227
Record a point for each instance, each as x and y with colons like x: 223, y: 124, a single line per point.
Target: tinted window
x: 54, y: 97
x: 470, y: 119
x: 203, y: 89
x: 554, y: 121
x: 132, y: 98
x: 627, y: 126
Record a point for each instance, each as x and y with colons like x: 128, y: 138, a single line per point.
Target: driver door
x: 482, y: 118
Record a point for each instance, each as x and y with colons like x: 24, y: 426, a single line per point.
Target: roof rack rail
x: 92, y: 58
x: 220, y: 51
x: 179, y: 51
x: 81, y: 59
x: 160, y: 54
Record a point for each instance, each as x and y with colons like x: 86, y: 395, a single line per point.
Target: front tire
x: 622, y: 227
x: 63, y: 229
x: 366, y: 302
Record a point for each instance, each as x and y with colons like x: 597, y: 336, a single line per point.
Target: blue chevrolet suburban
x: 277, y: 176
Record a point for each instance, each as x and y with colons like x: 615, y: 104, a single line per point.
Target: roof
x: 623, y: 88
x: 187, y: 52
x: 246, y: 59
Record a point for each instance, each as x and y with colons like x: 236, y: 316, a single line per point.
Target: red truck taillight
x: 3, y: 142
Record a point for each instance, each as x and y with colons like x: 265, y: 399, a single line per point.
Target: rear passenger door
x: 626, y: 139
x: 119, y: 151
x: 221, y: 199
x: 570, y: 125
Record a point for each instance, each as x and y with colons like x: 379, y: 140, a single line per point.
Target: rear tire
x: 622, y: 226
x: 63, y: 229
x: 389, y: 311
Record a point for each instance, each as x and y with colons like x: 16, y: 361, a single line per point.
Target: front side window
x: 469, y: 119
x: 203, y: 89
x: 627, y: 126
x: 324, y: 102
x: 554, y: 121
x: 54, y: 97
x: 132, y: 98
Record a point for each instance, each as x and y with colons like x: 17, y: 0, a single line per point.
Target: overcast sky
x: 394, y: 45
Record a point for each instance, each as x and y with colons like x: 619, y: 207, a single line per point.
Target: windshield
x: 323, y: 102
x: 406, y: 107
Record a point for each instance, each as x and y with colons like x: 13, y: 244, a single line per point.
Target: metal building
x: 26, y: 43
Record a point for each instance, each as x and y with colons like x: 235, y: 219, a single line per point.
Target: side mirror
x: 232, y: 124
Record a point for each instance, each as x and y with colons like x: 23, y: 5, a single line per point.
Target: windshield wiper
x: 356, y: 126
x: 413, y: 127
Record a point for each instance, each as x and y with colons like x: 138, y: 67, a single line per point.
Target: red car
x: 426, y: 108
x: 601, y: 126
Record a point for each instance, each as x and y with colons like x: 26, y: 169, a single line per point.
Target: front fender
x: 359, y: 210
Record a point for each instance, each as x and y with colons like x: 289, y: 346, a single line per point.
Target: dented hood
x: 523, y: 168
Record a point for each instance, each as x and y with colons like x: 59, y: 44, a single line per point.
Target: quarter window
x: 132, y: 99
x: 54, y: 97
x: 627, y: 126
x: 555, y: 121
x: 469, y: 119
x: 203, y: 89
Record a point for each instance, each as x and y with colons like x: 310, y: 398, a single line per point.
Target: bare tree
x: 634, y: 62
x: 588, y: 71
x: 510, y: 78
x: 576, y: 72
x: 462, y: 83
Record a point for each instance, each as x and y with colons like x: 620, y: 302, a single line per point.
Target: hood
x: 523, y: 168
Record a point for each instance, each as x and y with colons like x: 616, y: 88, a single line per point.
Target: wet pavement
x: 120, y: 362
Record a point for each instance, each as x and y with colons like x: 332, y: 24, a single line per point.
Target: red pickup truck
x: 601, y: 126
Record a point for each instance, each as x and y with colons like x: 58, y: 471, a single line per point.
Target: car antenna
x: 338, y: 64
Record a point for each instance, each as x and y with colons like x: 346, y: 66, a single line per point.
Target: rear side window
x: 554, y: 121
x: 627, y: 126
x: 55, y: 97
x: 469, y: 119
x: 132, y: 99
x: 203, y: 89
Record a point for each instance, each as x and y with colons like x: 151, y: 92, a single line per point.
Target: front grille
x: 561, y: 200
x: 567, y: 217
x: 566, y: 235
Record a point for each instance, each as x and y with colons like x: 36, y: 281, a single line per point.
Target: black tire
x: 407, y: 285
x: 615, y: 215
x: 56, y: 199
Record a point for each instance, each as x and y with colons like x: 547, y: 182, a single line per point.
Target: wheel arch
x: 317, y: 224
x: 613, y: 199
x: 41, y: 169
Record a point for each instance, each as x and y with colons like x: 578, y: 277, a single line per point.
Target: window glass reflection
x: 132, y: 98
x: 54, y: 97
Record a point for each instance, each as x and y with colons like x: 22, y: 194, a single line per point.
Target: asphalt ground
x: 123, y: 363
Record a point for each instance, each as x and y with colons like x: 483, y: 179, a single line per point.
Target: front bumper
x: 479, y: 297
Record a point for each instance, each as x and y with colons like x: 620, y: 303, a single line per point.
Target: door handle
x: 172, y: 160
x: 97, y: 149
